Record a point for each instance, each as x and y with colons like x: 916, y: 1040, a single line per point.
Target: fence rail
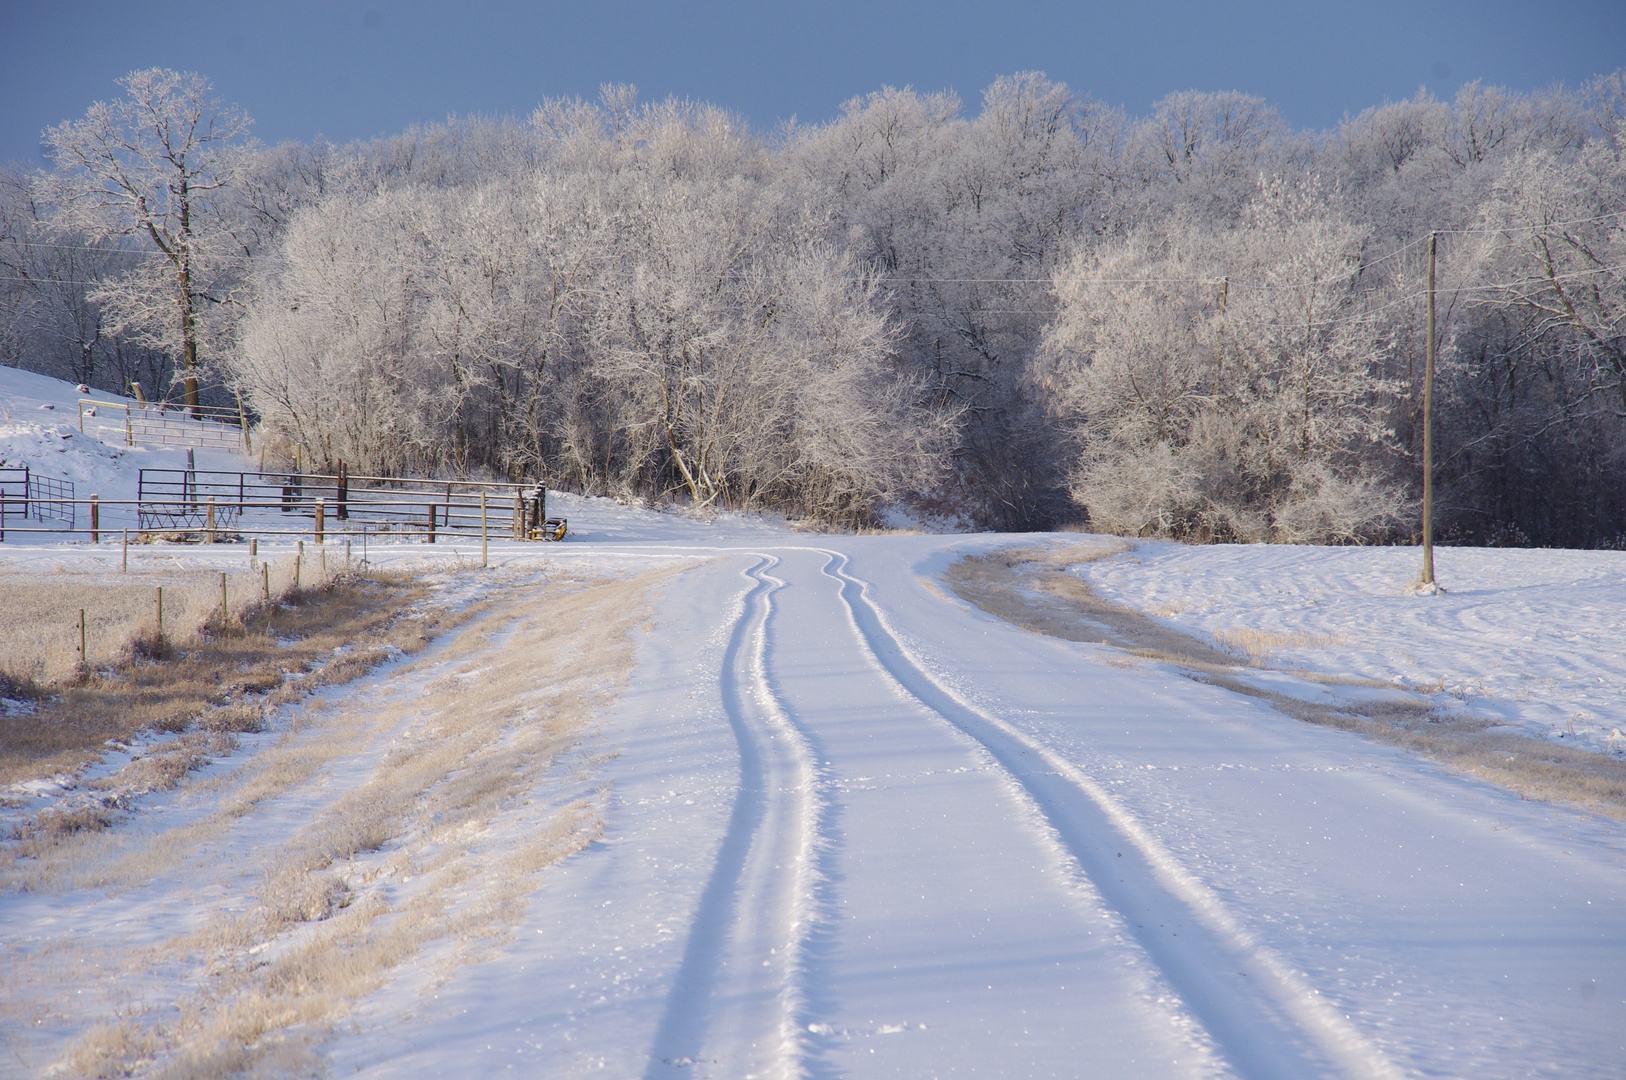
x: 174, y: 425
x: 26, y: 494
x: 215, y: 505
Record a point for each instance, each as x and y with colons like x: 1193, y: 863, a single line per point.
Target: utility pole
x: 1428, y: 429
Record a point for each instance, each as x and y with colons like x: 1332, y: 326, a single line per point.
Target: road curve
x: 861, y: 829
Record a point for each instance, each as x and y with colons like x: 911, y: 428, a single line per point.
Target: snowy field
x: 850, y: 826
x: 1532, y: 639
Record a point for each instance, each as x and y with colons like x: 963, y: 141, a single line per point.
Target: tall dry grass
x: 220, y: 674
x: 40, y: 612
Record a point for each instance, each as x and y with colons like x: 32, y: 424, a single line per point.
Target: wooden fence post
x: 517, y: 534
x: 242, y: 423
x: 126, y: 551
x: 431, y: 523
x: 299, y: 558
x: 225, y: 611
x: 95, y: 519
x: 84, y: 657
x: 265, y: 580
x: 321, y: 519
x: 160, y: 611
x: 210, y: 522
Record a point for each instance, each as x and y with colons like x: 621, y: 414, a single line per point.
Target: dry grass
x: 314, y: 635
x: 421, y: 864
x: 244, y: 664
x: 107, y: 1049
x: 1260, y: 645
x: 41, y: 611
x: 1027, y: 586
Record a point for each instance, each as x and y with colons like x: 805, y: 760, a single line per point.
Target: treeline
x: 1200, y: 324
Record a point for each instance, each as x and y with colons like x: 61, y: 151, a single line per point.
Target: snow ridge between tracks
x: 737, y: 1005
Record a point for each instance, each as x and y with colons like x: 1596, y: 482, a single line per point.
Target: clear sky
x: 353, y: 69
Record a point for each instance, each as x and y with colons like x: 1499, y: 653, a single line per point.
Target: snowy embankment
x: 1534, y: 639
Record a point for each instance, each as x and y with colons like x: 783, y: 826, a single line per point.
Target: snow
x: 1531, y: 639
x: 855, y: 827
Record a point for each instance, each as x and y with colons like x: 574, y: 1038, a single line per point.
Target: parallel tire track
x: 735, y: 1005
x: 1267, y: 1021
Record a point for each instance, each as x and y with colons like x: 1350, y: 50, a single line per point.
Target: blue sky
x: 357, y: 68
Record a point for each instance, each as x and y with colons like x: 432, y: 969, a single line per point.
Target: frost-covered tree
x: 1227, y: 383
x: 644, y: 312
x: 966, y: 219
x: 150, y: 165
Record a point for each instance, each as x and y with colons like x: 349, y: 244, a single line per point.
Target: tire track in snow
x: 1267, y: 1021
x: 736, y: 1003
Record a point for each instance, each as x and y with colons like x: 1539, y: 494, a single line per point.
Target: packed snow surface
x: 859, y: 828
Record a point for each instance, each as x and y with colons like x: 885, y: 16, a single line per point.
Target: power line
x: 885, y: 280
x: 1366, y: 265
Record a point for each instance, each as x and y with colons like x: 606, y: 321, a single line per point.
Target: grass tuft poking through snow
x: 1260, y: 645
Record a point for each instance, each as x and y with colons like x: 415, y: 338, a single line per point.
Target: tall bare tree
x: 149, y: 165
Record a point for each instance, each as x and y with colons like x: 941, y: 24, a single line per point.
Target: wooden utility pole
x: 1428, y: 428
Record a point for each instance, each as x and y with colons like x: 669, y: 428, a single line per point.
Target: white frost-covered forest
x: 1023, y: 313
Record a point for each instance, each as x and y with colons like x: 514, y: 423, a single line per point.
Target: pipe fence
x: 217, y: 506
x: 162, y: 424
x: 26, y: 494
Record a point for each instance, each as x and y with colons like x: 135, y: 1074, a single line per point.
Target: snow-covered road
x: 859, y: 828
